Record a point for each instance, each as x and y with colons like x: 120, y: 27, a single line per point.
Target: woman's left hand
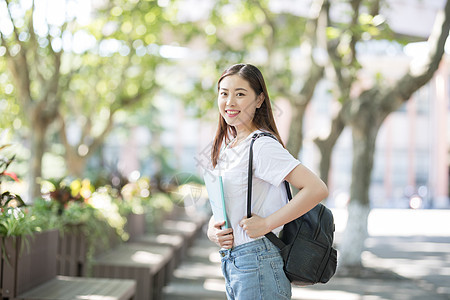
x: 255, y: 226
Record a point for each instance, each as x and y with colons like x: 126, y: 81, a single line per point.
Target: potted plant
x: 133, y: 203
x: 82, y: 228
x: 22, y: 234
x: 13, y: 218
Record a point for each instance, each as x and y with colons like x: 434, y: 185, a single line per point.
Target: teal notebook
x: 222, y: 196
x: 215, y: 187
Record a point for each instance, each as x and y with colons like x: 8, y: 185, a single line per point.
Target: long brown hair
x: 263, y: 118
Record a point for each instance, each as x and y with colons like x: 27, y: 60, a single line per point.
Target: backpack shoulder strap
x: 250, y: 169
x: 271, y: 236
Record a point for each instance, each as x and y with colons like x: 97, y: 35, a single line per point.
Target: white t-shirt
x: 271, y: 164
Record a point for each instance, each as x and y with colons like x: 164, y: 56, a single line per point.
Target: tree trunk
x: 326, y: 146
x: 345, y: 76
x: 315, y: 74
x: 76, y: 162
x: 37, y: 150
x: 355, y: 233
x: 299, y: 106
x: 76, y: 165
x: 365, y: 115
x: 351, y: 245
x: 296, y: 129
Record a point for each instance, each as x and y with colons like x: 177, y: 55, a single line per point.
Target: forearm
x: 312, y: 190
x: 301, y: 203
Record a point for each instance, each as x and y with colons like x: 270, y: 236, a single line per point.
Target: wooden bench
x: 187, y: 229
x: 176, y: 241
x: 149, y: 258
x: 63, y: 287
x: 145, y: 263
x: 31, y: 273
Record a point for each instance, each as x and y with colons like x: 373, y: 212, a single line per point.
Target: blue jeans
x: 254, y: 271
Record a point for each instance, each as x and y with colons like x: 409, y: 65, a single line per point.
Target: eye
x: 223, y: 94
x: 240, y: 94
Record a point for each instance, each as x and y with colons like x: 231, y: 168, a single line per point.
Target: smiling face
x: 238, y: 103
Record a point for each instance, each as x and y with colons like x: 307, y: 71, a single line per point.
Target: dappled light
x: 214, y: 285
x: 165, y: 238
x: 95, y: 297
x: 144, y: 257
x: 180, y: 225
x: 324, y: 295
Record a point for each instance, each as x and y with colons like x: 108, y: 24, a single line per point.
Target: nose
x: 230, y: 100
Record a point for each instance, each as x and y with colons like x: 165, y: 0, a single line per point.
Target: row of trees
x: 69, y: 74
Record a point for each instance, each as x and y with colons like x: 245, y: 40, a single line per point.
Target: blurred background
x: 108, y: 93
x: 92, y: 85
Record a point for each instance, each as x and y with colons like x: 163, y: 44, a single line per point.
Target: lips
x: 232, y: 113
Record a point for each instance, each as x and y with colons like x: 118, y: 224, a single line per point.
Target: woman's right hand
x: 222, y: 237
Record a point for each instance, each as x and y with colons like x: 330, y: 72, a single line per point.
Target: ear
x: 260, y: 100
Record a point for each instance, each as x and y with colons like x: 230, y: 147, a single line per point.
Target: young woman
x: 251, y: 264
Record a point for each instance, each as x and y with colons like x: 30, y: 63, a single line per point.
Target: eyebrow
x: 238, y: 89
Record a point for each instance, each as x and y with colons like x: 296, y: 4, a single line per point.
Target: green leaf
x: 332, y: 33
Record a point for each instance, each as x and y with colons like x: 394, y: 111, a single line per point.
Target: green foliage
x: 135, y: 197
x: 14, y: 219
x: 4, y: 164
x: 159, y: 204
x: 14, y: 216
x: 46, y: 214
x: 332, y: 33
x: 112, y: 68
x: 95, y: 210
x: 8, y: 199
x: 16, y: 222
x: 233, y: 32
x: 9, y: 108
x: 117, y: 77
x: 18, y: 219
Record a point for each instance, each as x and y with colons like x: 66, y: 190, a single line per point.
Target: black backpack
x: 306, y: 243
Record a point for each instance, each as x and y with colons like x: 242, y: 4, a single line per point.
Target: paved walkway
x: 407, y: 267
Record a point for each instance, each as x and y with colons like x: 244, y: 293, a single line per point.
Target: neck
x: 242, y: 133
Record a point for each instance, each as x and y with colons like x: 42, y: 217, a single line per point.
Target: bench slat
x: 136, y: 254
x: 64, y: 287
x: 146, y: 263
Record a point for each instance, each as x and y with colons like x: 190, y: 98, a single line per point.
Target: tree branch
x: 418, y: 76
x: 374, y: 7
x: 97, y: 142
x: 34, y: 45
x: 356, y: 36
x: 53, y: 94
x: 270, y: 42
x: 344, y: 82
x: 63, y: 135
x: 315, y: 71
x: 19, y: 66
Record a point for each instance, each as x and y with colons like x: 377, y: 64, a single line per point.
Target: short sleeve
x: 272, y: 162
